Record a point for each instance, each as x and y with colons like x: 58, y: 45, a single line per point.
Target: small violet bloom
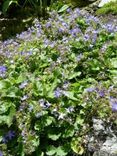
x: 113, y: 103
x: 2, y: 71
x: 23, y: 85
x: 114, y: 106
x: 24, y: 98
x: 101, y: 93
x: 61, y: 30
x: 58, y: 93
x: 48, y: 25
x: 42, y: 103
x: 9, y: 136
x: 79, y: 57
x: 90, y: 90
x: 68, y: 10
x: 1, y: 153
x: 70, y: 109
x: 86, y: 37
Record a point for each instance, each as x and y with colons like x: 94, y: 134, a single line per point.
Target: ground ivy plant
x: 54, y: 79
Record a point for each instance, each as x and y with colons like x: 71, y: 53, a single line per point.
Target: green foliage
x: 78, y: 3
x: 40, y: 6
x: 63, y: 8
x: 110, y: 7
x: 55, y: 78
x: 7, y: 4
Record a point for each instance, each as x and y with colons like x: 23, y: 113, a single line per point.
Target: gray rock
x: 100, y: 154
x: 98, y: 125
x: 110, y: 146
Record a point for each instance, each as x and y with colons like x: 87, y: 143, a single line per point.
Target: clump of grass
x: 110, y: 7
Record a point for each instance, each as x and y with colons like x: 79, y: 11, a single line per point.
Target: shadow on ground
x: 14, y: 23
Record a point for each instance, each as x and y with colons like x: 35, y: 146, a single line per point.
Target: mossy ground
x: 108, y: 8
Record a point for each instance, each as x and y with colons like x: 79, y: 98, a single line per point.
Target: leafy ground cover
x: 55, y: 79
x: 110, y: 7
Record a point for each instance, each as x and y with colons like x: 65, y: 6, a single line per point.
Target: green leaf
x: 79, y: 122
x: 37, y: 126
x: 1, y: 134
x: 113, y: 62
x: 54, y: 136
x: 69, y: 132
x: 4, y: 106
x: 7, y: 119
x: 35, y: 141
x: 7, y: 4
x: 64, y: 7
x: 12, y: 92
x: 76, y: 147
x: 51, y: 150
x: 4, y: 84
x: 52, y: 88
x: 49, y: 120
x: 60, y: 151
x: 70, y: 95
x: 74, y: 75
x: 21, y: 78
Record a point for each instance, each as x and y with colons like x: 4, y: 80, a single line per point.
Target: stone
x: 103, y: 2
x: 98, y: 125
x: 110, y: 146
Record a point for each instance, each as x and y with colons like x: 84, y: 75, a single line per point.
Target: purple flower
x: 68, y: 10
x: 22, y: 52
x: 1, y: 153
x: 70, y: 109
x: 113, y: 102
x: 101, y: 93
x: 24, y: 97
x: 61, y: 30
x: 2, y: 71
x: 58, y: 93
x: 23, y: 85
x: 48, y: 104
x: 48, y: 25
x: 65, y: 24
x: 29, y: 53
x: 9, y: 136
x: 4, y: 140
x: 94, y: 36
x: 114, y: 106
x: 66, y: 85
x: 86, y: 37
x: 90, y: 90
x: 78, y: 11
x: 42, y: 103
x: 75, y: 31
x: 79, y: 57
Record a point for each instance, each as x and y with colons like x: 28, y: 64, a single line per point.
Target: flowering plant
x: 56, y: 77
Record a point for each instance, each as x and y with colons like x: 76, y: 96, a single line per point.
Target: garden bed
x: 58, y: 85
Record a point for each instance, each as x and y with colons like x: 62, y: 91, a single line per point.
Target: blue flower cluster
x: 9, y: 136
